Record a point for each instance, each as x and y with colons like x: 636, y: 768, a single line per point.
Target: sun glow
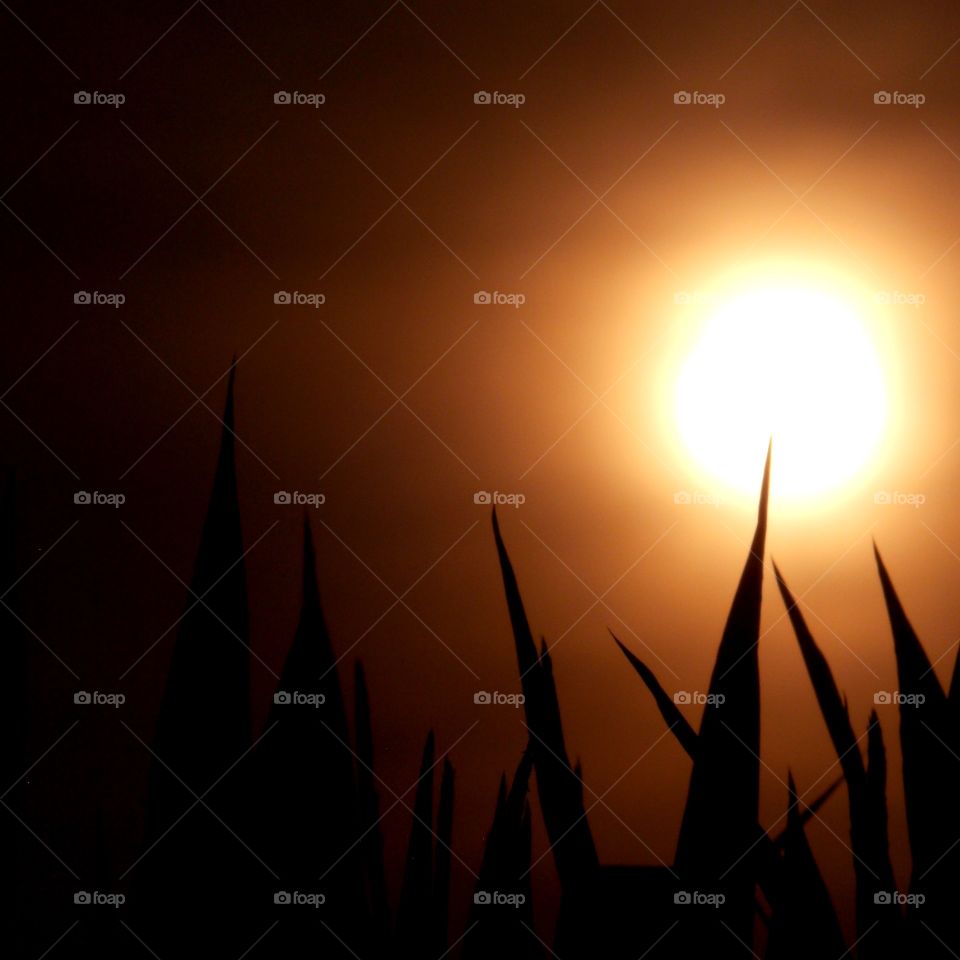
x: 790, y: 362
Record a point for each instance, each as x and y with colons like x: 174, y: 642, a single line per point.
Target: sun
x: 790, y: 362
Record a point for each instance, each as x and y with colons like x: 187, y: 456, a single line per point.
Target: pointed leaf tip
x: 765, y: 487
x: 309, y: 560
x: 789, y: 601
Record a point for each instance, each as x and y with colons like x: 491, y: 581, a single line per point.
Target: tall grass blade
x: 307, y: 804
x: 931, y: 774
x: 203, y: 727
x: 441, y: 876
x: 878, y: 929
x: 505, y: 868
x: 558, y: 785
x: 368, y: 810
x: 720, y: 819
x: 415, y: 929
x: 804, y: 923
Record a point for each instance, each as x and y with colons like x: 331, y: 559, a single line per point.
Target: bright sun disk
x: 792, y: 363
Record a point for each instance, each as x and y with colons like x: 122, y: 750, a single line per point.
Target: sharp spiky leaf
x: 832, y: 705
x: 674, y: 718
x: 414, y: 929
x: 720, y: 818
x: 866, y: 785
x: 804, y: 923
x: 444, y: 838
x: 368, y: 819
x: 202, y: 730
x: 559, y: 786
x: 931, y: 775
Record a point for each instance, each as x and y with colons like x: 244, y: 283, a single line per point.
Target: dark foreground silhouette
x: 303, y: 793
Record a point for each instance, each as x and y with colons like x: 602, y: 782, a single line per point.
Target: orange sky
x: 599, y: 199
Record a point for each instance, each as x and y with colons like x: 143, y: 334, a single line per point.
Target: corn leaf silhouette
x: 877, y: 928
x: 307, y: 806
x: 767, y: 857
x: 558, y: 785
x: 931, y: 776
x: 202, y: 731
x: 678, y: 724
x: 416, y: 921
x: 441, y: 874
x: 719, y: 825
x: 505, y: 869
x: 368, y: 810
x: 804, y: 922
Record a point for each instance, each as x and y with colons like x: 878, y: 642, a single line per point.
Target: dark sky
x: 597, y: 199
